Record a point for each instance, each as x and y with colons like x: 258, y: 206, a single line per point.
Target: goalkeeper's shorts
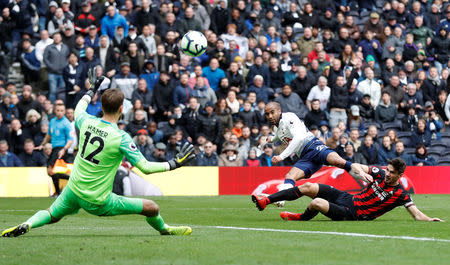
x: 69, y: 203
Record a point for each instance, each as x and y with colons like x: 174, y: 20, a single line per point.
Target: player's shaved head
x: 273, y: 112
x: 112, y: 100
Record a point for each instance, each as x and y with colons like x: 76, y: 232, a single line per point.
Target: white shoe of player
x: 280, y: 204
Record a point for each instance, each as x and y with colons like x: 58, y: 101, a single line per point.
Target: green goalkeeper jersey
x: 101, y: 149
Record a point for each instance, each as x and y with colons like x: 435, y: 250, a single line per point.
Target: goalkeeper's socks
x: 39, y: 219
x: 157, y: 223
x: 308, y: 214
x: 286, y: 195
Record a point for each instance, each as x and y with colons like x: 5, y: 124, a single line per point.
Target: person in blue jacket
x: 8, y: 159
x: 111, y: 21
x: 385, y: 152
x: 421, y: 157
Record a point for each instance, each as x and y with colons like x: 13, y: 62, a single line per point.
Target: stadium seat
x: 365, y: 14
x: 445, y: 134
x: 436, y: 153
x: 400, y: 116
x: 396, y: 125
x: 366, y: 125
x: 446, y: 141
x: 443, y: 161
x: 403, y: 134
x: 353, y: 13
x: 161, y: 124
x: 438, y: 144
x: 410, y: 151
x: 406, y: 140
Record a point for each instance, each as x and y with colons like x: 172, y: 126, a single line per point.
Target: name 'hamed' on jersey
x: 292, y: 131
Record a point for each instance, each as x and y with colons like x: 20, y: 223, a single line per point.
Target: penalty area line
x: 329, y: 233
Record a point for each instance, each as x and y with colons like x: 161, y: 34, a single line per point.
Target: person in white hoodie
x: 371, y: 87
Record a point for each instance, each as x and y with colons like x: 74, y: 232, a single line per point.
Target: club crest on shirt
x: 132, y: 147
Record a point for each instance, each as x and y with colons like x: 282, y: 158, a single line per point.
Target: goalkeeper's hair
x: 398, y: 164
x: 111, y: 100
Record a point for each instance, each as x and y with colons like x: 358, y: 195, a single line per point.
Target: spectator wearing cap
x: 150, y: 74
x: 92, y: 39
x: 8, y: 159
x: 355, y: 121
x: 59, y: 22
x: 125, y: 80
x: 229, y: 157
x: 290, y: 70
x: 132, y: 37
x: 208, y: 157
x: 159, y: 153
x: 386, y: 110
x: 144, y: 143
x: 85, y: 19
x: 374, y: 24
x: 441, y: 45
x: 432, y: 85
x: 65, y: 6
x: 209, y: 124
x: 111, y: 21
x: 265, y: 159
x: 55, y: 58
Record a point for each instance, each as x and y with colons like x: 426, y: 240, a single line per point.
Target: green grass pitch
x: 86, y: 239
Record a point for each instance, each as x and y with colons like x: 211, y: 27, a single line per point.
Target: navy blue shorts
x: 341, y: 203
x: 313, y: 157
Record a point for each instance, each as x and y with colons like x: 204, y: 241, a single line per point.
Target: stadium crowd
x: 370, y: 78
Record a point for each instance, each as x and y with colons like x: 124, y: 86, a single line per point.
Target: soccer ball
x: 193, y: 43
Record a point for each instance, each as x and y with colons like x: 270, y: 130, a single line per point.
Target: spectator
x: 146, y: 15
x: 134, y: 58
x: 224, y: 114
x: 30, y: 64
x: 85, y: 19
x: 291, y: 102
x: 144, y: 143
x: 208, y: 157
x: 73, y: 79
x: 413, y: 99
x: 145, y: 95
x: 400, y: 152
x: 32, y: 125
x: 59, y: 22
x: 265, y: 159
x: 371, y: 87
x: 229, y: 157
x: 213, y: 73
x: 149, y: 41
x: 30, y: 157
x: 302, y: 84
x: 321, y: 92
x: 434, y: 124
x: 189, y: 22
x: 422, y: 34
x: 316, y: 115
x: 354, y: 139
x: 333, y: 141
x: 385, y: 111
x: 159, y: 153
x: 203, y: 93
x: 338, y: 102
x: 441, y: 108
x: 276, y: 75
x: 55, y: 58
x: 441, y: 44
x: 262, y: 91
x: 355, y: 121
x: 421, y: 157
x: 354, y: 96
x: 138, y: 123
x: 111, y: 21
x: 340, y: 148
x: 154, y: 133
x: 105, y: 53
x: 353, y: 156
x: 422, y: 135
x: 4, y: 130
x: 8, y: 110
x: 252, y: 160
x: 259, y: 68
x: 396, y: 91
x: 126, y: 81
x: 386, y: 151
x: 209, y: 124
x: 369, y: 150
x: 8, y: 159
x: 432, y: 85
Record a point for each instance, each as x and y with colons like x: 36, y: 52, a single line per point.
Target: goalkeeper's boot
x: 288, y: 216
x: 261, y: 202
x: 16, y: 230
x: 177, y: 231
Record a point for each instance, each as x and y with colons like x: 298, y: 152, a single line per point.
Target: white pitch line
x: 329, y: 233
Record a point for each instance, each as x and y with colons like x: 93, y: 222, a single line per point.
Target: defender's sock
x: 39, y: 219
x: 308, y: 214
x: 286, y: 195
x: 157, y: 223
x: 289, y: 181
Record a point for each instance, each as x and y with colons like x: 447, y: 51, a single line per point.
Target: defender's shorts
x: 69, y: 203
x: 313, y: 157
x: 341, y: 203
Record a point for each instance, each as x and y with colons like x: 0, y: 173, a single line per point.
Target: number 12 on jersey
x: 90, y: 157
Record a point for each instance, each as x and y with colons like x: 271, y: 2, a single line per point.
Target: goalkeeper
x: 102, y: 147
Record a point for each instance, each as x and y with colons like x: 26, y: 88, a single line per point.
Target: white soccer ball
x: 193, y: 43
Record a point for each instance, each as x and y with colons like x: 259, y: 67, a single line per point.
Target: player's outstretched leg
x: 291, y: 177
x: 154, y: 219
x: 38, y: 219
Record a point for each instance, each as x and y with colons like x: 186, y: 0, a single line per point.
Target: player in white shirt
x: 313, y: 153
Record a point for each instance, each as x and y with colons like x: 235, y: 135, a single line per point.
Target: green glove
x: 183, y: 157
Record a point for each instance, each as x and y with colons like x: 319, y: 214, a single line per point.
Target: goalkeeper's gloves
x: 183, y: 157
x: 101, y: 83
